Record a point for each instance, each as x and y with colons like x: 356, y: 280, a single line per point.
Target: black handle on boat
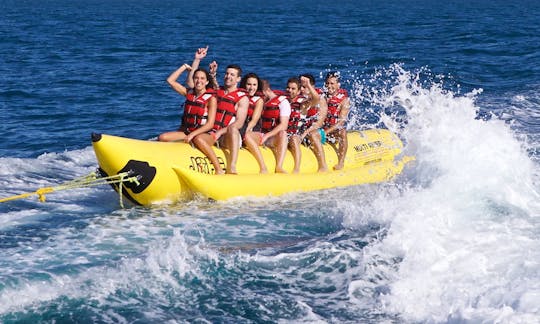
x: 96, y: 137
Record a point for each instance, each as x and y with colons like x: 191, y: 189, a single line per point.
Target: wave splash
x: 462, y: 239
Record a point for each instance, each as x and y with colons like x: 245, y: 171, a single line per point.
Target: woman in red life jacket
x: 252, y: 127
x: 314, y: 117
x: 199, y: 55
x: 274, y: 121
x: 199, y: 109
x: 338, y: 103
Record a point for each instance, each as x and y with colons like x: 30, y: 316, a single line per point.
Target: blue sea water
x: 455, y: 239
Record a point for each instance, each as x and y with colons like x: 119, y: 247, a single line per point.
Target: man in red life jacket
x: 299, y: 106
x: 232, y: 107
x: 338, y: 109
x: 275, y: 119
x: 297, y: 100
x: 314, y: 116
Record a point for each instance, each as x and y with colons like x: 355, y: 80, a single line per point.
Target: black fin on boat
x: 144, y: 172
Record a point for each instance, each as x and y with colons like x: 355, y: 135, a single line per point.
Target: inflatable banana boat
x: 171, y: 171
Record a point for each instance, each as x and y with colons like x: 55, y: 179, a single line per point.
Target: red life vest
x: 252, y: 104
x: 311, y: 115
x: 296, y: 114
x: 195, y: 110
x: 270, y: 114
x: 314, y: 110
x: 226, y: 107
x: 334, y: 103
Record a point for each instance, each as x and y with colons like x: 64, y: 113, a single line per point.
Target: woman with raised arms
x: 199, y: 111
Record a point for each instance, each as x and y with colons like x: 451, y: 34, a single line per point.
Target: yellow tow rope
x: 89, y: 180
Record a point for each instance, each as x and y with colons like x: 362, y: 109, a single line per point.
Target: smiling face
x: 292, y: 89
x: 251, y: 86
x: 332, y: 85
x: 231, y: 78
x: 200, y: 80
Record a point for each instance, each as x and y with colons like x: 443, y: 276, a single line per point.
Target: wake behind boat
x: 170, y: 171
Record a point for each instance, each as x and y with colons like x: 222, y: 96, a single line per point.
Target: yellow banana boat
x: 170, y: 171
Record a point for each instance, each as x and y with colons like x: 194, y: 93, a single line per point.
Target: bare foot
x: 338, y: 166
x: 280, y: 170
x: 296, y: 171
x: 232, y: 172
x: 324, y: 169
x: 220, y: 172
x: 263, y: 171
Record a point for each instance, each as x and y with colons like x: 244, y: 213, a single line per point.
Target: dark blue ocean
x: 454, y: 239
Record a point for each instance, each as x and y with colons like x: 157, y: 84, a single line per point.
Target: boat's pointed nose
x: 96, y: 137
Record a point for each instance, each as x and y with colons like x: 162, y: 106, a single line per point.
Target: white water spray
x: 466, y: 232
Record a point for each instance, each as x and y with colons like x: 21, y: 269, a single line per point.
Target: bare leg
x: 172, y: 136
x: 294, y: 146
x: 316, y: 146
x: 204, y: 143
x: 232, y: 142
x: 252, y: 140
x: 280, y: 142
x: 342, y: 148
x: 271, y: 143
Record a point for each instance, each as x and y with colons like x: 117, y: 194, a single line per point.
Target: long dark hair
x: 243, y: 82
x: 210, y: 84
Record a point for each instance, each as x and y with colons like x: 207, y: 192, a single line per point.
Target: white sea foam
x: 156, y: 271
x: 19, y: 175
x: 463, y: 240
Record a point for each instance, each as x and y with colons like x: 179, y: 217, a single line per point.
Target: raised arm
x: 172, y: 80
x: 313, y: 95
x: 199, y: 55
x: 213, y: 73
x: 314, y: 100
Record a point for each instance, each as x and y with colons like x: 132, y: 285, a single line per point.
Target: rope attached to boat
x: 89, y: 180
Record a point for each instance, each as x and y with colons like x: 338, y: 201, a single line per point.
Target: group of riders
x: 246, y: 111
